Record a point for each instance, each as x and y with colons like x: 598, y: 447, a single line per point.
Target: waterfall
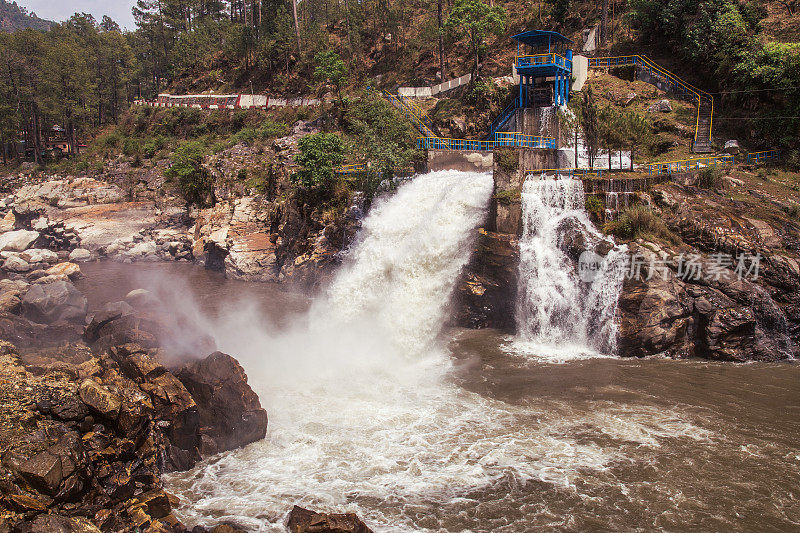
x: 557, y: 312
x: 398, y: 277
x: 361, y: 406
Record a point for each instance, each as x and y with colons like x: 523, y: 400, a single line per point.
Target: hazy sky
x: 119, y: 10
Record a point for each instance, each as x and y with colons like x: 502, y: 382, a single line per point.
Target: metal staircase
x: 666, y: 80
x: 502, y: 118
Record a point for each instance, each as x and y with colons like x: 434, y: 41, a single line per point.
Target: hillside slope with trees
x: 14, y: 17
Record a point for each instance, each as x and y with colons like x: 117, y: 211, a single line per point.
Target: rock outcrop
x: 88, y: 436
x: 302, y: 520
x: 54, y: 302
x: 486, y: 292
x: 728, y: 319
x: 231, y: 415
x: 85, y: 436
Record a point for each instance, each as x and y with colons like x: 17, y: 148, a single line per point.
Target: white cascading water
x: 559, y: 316
x: 364, y: 413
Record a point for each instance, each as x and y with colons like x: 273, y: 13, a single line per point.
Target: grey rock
x: 53, y: 302
x: 80, y: 254
x: 732, y: 147
x: 16, y: 264
x: 662, y: 106
x: 17, y: 241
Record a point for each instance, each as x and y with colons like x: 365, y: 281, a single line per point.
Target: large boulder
x: 230, y: 412
x: 18, y: 241
x: 662, y: 106
x: 726, y: 319
x: 16, y: 264
x: 39, y: 255
x: 732, y: 147
x: 104, y: 401
x: 54, y: 302
x: 80, y: 254
x: 306, y: 521
x: 67, y: 269
x: 49, y: 471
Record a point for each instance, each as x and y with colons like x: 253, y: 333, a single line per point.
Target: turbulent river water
x: 376, y: 408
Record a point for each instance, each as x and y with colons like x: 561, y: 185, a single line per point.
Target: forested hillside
x: 83, y: 73
x: 14, y: 17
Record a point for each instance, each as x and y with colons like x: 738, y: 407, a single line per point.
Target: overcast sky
x: 119, y: 10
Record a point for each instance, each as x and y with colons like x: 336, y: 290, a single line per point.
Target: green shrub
x: 272, y: 130
x: 110, y: 139
x: 245, y: 135
x: 153, y: 145
x: 507, y: 159
x: 82, y: 165
x: 238, y: 120
x: 130, y: 146
x: 594, y: 205
x: 507, y: 197
x: 319, y: 154
x: 640, y: 222
x: 709, y: 178
x: 187, y: 172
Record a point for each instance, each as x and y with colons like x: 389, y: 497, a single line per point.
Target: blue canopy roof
x: 538, y: 37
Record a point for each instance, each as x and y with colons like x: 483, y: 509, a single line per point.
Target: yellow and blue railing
x: 685, y: 165
x: 541, y: 60
x: 571, y: 173
x: 682, y: 87
x: 760, y: 157
x: 499, y: 140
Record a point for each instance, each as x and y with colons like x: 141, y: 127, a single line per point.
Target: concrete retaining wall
x: 463, y: 161
x: 428, y: 92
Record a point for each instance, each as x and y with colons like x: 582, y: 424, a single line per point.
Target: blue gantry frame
x: 542, y: 55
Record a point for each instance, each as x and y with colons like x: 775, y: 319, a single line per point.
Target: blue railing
x: 571, y: 173
x: 499, y: 140
x: 705, y: 101
x: 515, y: 138
x: 410, y: 113
x: 759, y: 157
x: 542, y: 60
x: 685, y: 165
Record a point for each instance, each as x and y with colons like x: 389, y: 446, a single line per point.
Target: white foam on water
x: 364, y: 416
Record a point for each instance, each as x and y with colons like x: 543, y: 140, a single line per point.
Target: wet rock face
x: 231, y: 415
x: 486, y: 292
x: 85, y: 437
x: 726, y: 319
x: 305, y: 521
x: 96, y: 434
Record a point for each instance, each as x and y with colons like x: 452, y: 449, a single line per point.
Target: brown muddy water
x: 473, y: 436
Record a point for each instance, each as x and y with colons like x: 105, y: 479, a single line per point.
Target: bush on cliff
x: 320, y: 154
x: 186, y: 171
x: 640, y: 222
x: 710, y: 178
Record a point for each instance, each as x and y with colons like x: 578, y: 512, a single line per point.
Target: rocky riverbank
x: 92, y: 416
x: 262, y: 237
x: 95, y: 407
